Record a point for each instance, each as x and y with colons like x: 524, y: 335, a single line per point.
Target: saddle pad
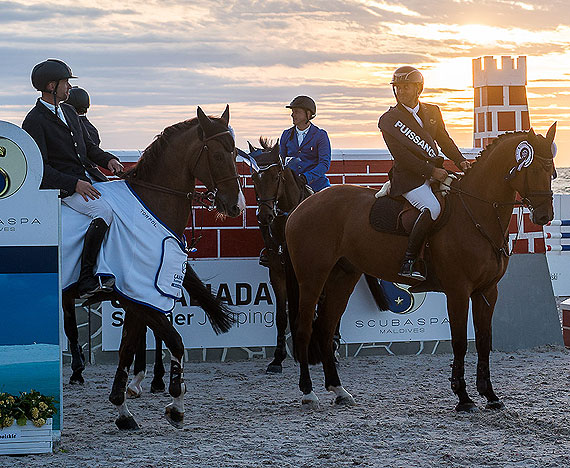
x: 384, y: 215
x: 146, y: 258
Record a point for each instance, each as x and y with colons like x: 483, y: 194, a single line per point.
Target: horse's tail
x: 377, y: 292
x: 219, y: 314
x: 292, y: 297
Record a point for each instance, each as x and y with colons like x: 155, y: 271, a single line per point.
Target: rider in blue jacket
x: 305, y: 148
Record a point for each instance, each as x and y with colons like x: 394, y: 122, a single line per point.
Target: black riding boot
x: 263, y: 258
x: 88, y: 284
x: 419, y: 232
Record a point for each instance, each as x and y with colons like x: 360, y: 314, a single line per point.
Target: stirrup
x: 263, y: 258
x: 101, y: 286
x: 408, y: 271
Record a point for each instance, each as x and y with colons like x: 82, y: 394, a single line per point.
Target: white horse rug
x: 147, y: 260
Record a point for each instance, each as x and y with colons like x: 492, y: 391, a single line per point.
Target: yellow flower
x: 43, y: 406
x: 35, y: 413
x: 39, y: 422
x: 7, y: 421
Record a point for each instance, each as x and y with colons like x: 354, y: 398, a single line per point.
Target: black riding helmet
x: 50, y: 70
x: 79, y: 99
x: 304, y: 102
x: 407, y: 74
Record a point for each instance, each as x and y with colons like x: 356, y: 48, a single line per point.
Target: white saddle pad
x: 147, y: 260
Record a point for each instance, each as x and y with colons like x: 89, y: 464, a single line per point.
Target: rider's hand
x: 86, y: 190
x: 465, y: 165
x: 439, y: 174
x: 115, y: 166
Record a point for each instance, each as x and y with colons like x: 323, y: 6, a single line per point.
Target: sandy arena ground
x: 237, y: 416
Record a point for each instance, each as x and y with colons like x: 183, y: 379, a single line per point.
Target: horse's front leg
x: 483, y: 307
x: 278, y: 283
x: 161, y: 326
x: 457, y: 309
x: 70, y: 327
x: 133, y: 328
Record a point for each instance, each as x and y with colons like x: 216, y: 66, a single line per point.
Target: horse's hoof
x: 274, y: 369
x: 127, y: 423
x: 310, y: 401
x: 467, y: 407
x: 345, y: 400
x: 174, y: 417
x: 157, y: 387
x: 76, y: 378
x: 133, y: 393
x: 495, y: 405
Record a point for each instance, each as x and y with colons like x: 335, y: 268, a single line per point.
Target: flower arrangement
x: 31, y: 406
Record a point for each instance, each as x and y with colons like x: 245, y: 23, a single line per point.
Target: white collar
x: 415, y: 110
x: 303, y: 132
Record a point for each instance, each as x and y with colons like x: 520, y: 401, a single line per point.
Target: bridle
x: 525, y: 201
x: 273, y: 202
x: 206, y: 198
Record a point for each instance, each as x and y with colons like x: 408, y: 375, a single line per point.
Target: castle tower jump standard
x: 500, y: 103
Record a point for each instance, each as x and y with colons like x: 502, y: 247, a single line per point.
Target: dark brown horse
x: 164, y: 180
x: 469, y: 252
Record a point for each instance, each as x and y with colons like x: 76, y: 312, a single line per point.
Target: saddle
x: 397, y: 216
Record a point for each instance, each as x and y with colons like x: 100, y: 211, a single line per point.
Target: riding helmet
x: 50, y: 70
x: 78, y: 98
x: 304, y: 102
x: 407, y: 74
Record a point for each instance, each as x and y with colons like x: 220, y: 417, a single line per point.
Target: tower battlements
x: 486, y: 73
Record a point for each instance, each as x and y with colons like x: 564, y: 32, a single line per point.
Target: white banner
x: 244, y: 285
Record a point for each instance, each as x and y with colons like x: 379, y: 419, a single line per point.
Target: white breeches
x: 98, y: 208
x: 422, y: 197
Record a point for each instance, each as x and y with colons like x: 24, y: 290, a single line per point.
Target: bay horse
x: 164, y: 180
x: 469, y: 256
x: 278, y: 192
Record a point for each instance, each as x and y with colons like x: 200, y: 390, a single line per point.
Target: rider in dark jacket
x: 410, y: 130
x: 70, y: 162
x: 79, y: 99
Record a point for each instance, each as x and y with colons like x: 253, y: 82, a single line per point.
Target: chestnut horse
x: 469, y: 252
x: 164, y: 181
x: 278, y: 192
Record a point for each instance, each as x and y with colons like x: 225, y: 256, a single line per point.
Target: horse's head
x: 215, y: 163
x: 532, y: 173
x: 267, y: 178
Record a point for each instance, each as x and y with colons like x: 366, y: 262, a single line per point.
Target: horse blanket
x: 147, y: 260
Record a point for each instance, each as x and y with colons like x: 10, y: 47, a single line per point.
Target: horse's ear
x: 226, y: 115
x: 551, y: 132
x: 204, y: 120
x: 251, y: 147
x: 275, y: 150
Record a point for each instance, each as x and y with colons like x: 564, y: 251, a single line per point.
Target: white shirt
x: 51, y: 107
x: 301, y: 134
x: 414, y: 112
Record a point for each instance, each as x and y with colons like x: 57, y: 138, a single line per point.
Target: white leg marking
x: 124, y: 411
x: 134, y: 390
x: 310, y: 401
x: 342, y: 396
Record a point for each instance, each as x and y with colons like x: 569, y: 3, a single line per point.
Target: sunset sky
x: 148, y: 64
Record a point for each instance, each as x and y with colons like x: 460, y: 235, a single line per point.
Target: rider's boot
x: 263, y: 258
x: 418, y: 234
x: 88, y: 284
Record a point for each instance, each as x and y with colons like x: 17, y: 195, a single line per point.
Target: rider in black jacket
x: 79, y: 99
x: 70, y: 162
x: 410, y: 130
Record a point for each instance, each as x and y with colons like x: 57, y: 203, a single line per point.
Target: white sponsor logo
x: 416, y: 139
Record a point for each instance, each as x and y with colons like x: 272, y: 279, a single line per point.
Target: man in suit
x: 79, y: 99
x: 306, y: 148
x: 70, y: 162
x: 411, y: 130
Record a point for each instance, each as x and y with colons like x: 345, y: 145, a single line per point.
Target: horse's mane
x: 266, y: 143
x: 491, y: 147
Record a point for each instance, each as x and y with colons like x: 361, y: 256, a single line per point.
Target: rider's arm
x: 322, y: 156
x: 52, y: 178
x: 445, y: 142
